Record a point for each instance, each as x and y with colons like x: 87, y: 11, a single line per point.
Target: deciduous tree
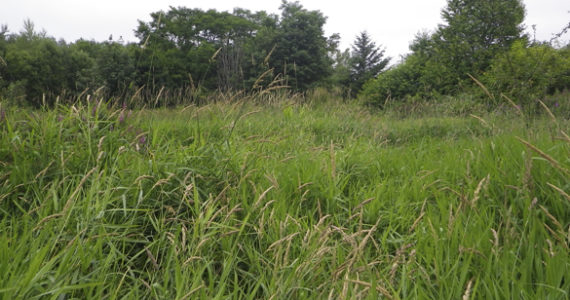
x: 302, y: 49
x: 474, y: 32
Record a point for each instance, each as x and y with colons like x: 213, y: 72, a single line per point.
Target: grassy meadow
x: 296, y: 199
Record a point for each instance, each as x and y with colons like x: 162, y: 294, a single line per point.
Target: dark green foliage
x: 3, y: 45
x: 257, y: 50
x: 36, y: 67
x: 526, y: 73
x: 418, y: 75
x: 213, y: 47
x: 114, y: 68
x: 184, y: 52
x: 226, y: 51
x: 81, y: 65
x: 240, y: 63
x: 474, y: 33
x: 341, y: 71
x: 178, y: 44
x: 367, y: 61
x: 301, y: 49
x: 398, y: 82
x: 185, y: 55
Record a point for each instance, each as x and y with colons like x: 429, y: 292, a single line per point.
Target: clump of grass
x: 281, y: 199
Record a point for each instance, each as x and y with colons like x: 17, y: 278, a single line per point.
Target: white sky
x: 392, y: 23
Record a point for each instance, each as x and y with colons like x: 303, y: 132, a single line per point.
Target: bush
x: 529, y: 73
x: 398, y: 82
x: 418, y: 76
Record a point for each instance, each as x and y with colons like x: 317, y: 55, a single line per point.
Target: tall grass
x: 292, y: 200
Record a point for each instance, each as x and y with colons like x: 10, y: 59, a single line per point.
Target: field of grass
x: 282, y: 201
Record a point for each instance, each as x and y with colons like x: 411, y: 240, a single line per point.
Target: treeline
x: 480, y: 48
x: 185, y: 54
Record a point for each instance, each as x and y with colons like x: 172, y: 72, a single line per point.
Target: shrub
x: 398, y: 82
x: 529, y: 73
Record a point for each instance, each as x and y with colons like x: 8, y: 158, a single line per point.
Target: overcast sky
x: 392, y: 23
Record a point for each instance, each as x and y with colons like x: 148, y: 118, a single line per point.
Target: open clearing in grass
x: 287, y: 201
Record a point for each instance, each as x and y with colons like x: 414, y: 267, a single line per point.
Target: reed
x: 280, y: 196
